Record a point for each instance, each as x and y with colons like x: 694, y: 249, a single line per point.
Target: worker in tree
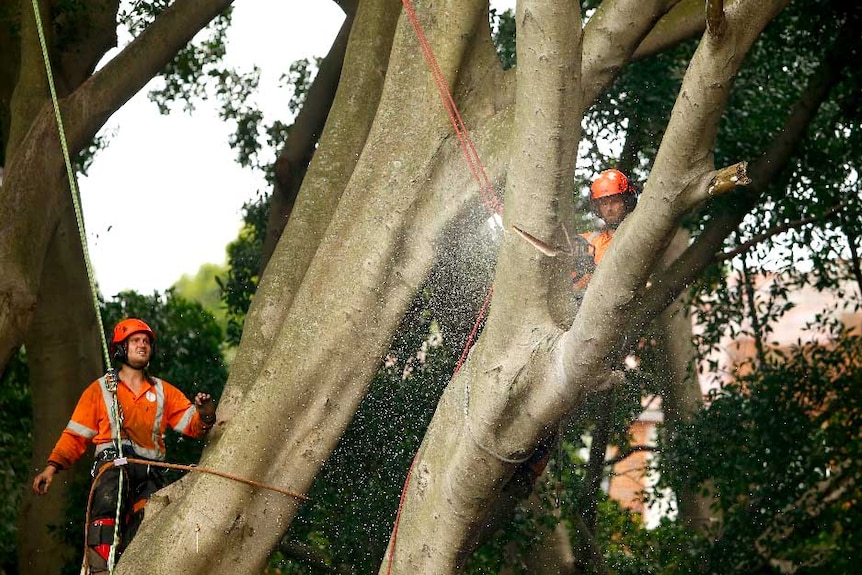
x: 147, y: 405
x: 612, y: 198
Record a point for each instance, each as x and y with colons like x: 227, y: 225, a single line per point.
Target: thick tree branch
x: 292, y: 163
x: 377, y: 248
x: 611, y: 36
x: 35, y: 173
x: 684, y: 21
x: 683, y: 161
x: 667, y: 285
x: 538, y: 195
x: 107, y: 90
x: 340, y: 147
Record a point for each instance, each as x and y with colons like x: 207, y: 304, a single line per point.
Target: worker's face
x: 612, y: 209
x: 138, y: 350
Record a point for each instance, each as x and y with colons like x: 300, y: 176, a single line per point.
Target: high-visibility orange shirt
x: 599, y: 244
x: 600, y: 241
x: 145, y: 419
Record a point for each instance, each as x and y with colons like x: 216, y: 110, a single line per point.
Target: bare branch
x: 745, y: 246
x: 128, y: 72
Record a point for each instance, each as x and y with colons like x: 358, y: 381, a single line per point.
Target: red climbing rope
x: 489, y: 197
x: 475, y: 329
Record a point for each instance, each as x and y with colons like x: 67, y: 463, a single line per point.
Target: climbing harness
x: 111, y: 377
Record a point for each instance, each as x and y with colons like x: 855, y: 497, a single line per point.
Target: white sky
x: 166, y: 195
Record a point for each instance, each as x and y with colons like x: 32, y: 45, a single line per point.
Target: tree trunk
x: 374, y: 254
x: 34, y: 174
x: 522, y: 379
x: 64, y: 356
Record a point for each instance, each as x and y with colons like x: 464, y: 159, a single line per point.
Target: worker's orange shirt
x: 145, y: 419
x: 600, y: 241
x: 599, y: 244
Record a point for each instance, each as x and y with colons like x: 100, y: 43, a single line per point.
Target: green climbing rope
x: 72, y: 185
x: 76, y: 201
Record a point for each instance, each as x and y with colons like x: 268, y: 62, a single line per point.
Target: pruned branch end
x: 729, y: 178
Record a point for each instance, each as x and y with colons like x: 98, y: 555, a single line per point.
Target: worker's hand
x: 206, y: 407
x: 43, y: 480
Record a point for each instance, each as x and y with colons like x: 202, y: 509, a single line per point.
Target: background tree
x: 44, y: 290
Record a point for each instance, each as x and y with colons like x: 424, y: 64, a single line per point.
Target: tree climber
x: 147, y: 405
x: 612, y: 198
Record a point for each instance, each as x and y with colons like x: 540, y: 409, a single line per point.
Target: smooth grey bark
x: 292, y: 163
x: 384, y: 230
x: 527, y: 379
x: 345, y: 133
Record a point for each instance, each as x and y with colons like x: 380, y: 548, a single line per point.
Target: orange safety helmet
x: 123, y: 330
x: 610, y: 183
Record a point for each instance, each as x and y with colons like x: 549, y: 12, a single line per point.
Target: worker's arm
x: 192, y: 418
x: 80, y: 430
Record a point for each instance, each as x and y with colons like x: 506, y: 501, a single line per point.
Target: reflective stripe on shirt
x: 81, y: 430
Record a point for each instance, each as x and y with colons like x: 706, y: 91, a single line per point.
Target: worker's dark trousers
x: 139, y: 483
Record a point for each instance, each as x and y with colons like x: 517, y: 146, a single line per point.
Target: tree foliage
x: 16, y: 436
x: 781, y: 447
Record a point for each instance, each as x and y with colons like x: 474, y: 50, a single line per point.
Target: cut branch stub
x: 729, y: 178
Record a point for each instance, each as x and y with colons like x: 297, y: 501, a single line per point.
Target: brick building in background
x: 629, y: 478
